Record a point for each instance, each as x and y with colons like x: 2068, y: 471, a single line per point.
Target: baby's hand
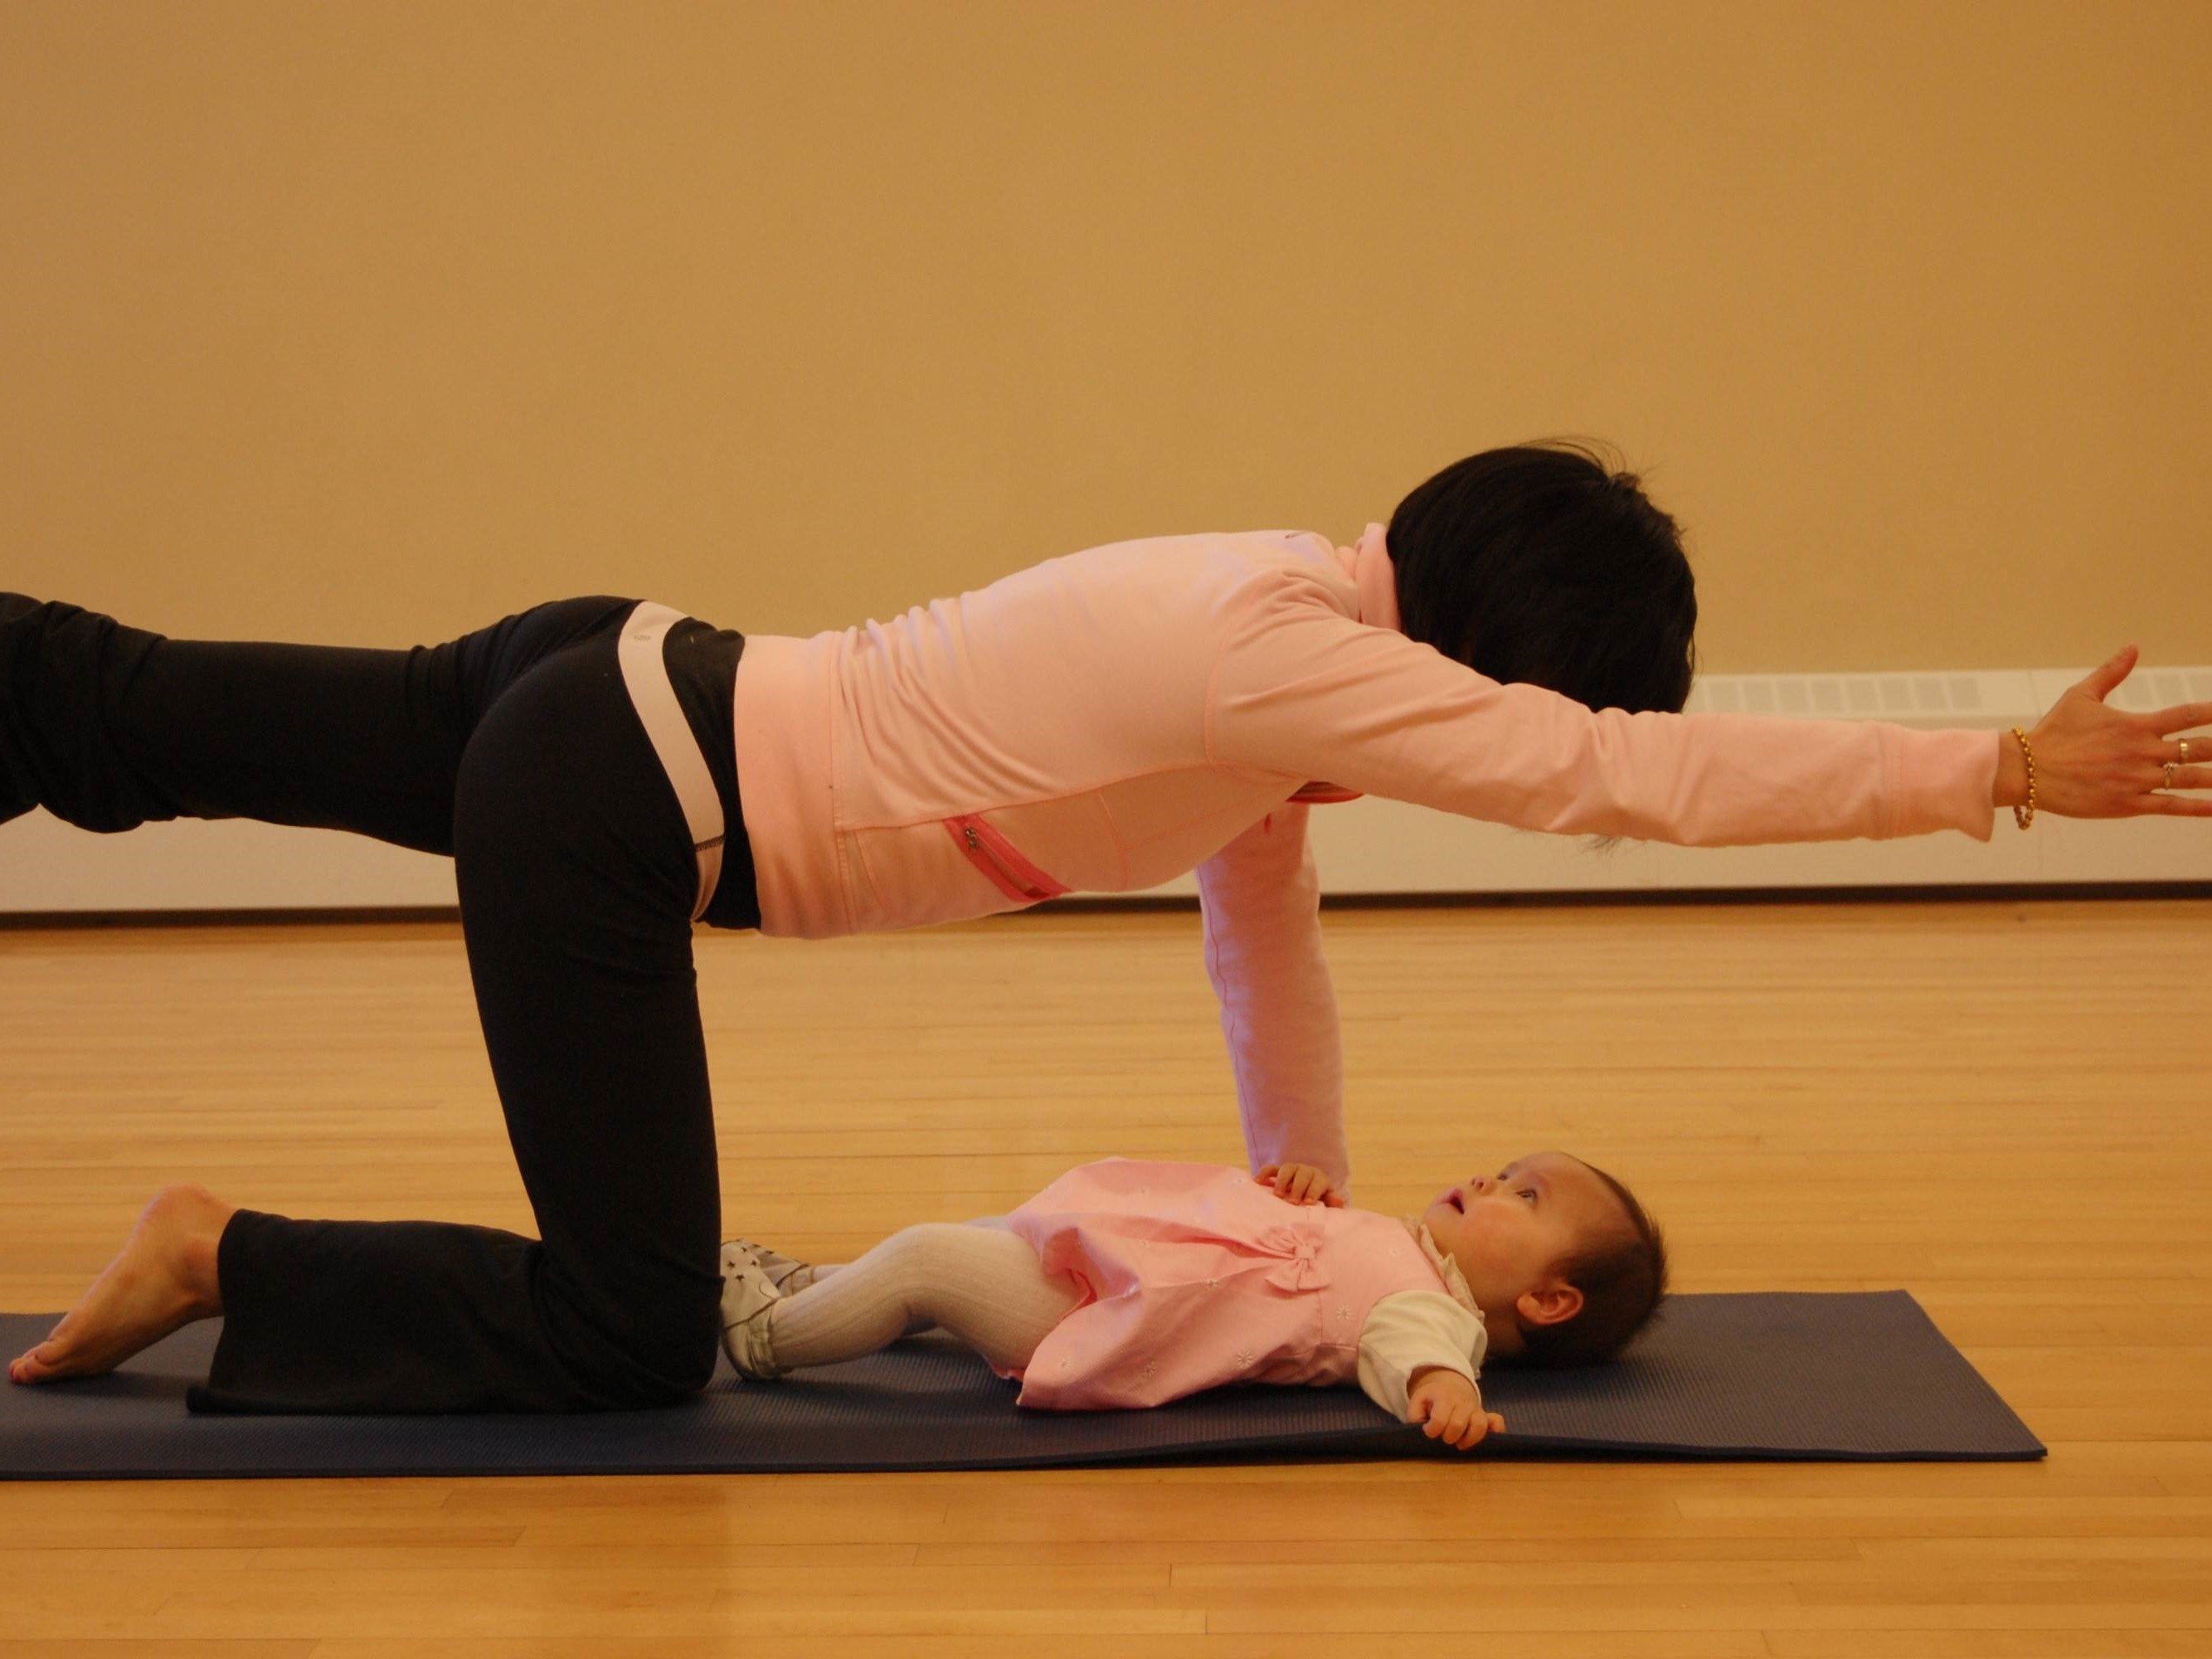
x: 1448, y: 1406
x: 1301, y: 1183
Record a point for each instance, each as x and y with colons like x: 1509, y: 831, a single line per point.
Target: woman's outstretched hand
x: 2094, y: 762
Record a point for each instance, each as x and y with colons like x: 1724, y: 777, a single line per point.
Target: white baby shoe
x: 788, y: 1274
x: 748, y: 1294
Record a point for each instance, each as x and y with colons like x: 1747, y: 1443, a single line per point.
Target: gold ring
x: 2184, y: 752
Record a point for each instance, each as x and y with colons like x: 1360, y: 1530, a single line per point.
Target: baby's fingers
x: 1466, y: 1433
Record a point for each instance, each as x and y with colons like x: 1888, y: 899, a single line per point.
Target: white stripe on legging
x: 645, y: 673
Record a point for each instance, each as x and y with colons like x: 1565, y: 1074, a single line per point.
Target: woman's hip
x: 600, y: 752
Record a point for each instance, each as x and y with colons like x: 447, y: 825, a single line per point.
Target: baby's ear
x: 1551, y: 1304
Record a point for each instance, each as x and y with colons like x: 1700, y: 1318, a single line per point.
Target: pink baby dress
x: 1198, y: 1275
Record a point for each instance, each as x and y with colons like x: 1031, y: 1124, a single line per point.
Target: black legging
x: 515, y: 749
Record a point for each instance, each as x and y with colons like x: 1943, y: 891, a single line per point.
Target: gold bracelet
x: 2024, y: 816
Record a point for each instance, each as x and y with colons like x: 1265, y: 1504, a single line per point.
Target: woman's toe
x: 41, y: 1362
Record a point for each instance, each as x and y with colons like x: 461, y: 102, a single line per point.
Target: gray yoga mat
x: 1764, y: 1374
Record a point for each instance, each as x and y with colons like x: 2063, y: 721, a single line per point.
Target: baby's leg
x: 983, y: 1284
x: 815, y: 1272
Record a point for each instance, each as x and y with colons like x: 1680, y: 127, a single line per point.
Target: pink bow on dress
x: 1299, y: 1269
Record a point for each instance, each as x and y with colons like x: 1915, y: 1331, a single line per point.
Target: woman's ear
x: 1548, y: 1304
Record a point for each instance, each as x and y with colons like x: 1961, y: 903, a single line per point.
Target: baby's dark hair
x: 1622, y: 1275
x: 1535, y: 563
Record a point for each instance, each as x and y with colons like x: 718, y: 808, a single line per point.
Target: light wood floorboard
x: 2006, y: 1109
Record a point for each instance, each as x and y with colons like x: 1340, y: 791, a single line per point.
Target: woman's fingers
x: 2182, y: 718
x: 2178, y: 806
x: 1299, y: 1183
x: 2095, y: 762
x: 2100, y: 681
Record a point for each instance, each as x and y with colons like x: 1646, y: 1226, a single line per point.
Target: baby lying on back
x: 1128, y: 1282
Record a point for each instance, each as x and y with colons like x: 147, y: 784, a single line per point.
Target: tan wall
x: 367, y: 322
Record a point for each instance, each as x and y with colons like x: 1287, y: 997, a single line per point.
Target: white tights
x: 978, y: 1281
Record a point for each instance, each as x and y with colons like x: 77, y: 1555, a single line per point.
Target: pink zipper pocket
x: 994, y: 855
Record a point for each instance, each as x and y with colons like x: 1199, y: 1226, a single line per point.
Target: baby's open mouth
x: 1452, y: 1198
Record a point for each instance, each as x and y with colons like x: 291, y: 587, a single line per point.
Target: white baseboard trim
x: 1364, y: 847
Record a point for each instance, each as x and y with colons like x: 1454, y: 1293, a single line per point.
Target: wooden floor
x: 2005, y: 1108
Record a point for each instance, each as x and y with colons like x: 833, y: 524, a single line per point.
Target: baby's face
x: 1506, y: 1229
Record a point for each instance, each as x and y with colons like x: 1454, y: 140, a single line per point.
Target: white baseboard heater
x: 1364, y: 847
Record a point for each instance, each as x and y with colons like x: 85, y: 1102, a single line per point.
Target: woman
x: 605, y: 774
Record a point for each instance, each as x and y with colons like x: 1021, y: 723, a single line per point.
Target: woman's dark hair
x: 1622, y: 1275
x: 1535, y: 563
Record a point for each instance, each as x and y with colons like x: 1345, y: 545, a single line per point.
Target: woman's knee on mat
x: 657, y: 1348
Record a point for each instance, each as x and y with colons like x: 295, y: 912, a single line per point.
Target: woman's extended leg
x: 108, y: 727
x: 984, y: 1284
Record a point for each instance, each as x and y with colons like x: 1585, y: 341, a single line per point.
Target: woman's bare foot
x: 163, y: 1280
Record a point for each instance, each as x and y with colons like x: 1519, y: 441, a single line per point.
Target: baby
x: 1128, y: 1282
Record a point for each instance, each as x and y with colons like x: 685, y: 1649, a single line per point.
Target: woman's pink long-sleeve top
x: 1107, y: 720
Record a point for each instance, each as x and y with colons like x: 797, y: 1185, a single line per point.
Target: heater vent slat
x: 1955, y: 697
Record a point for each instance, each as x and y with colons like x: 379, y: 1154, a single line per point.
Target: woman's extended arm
x: 1302, y: 690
